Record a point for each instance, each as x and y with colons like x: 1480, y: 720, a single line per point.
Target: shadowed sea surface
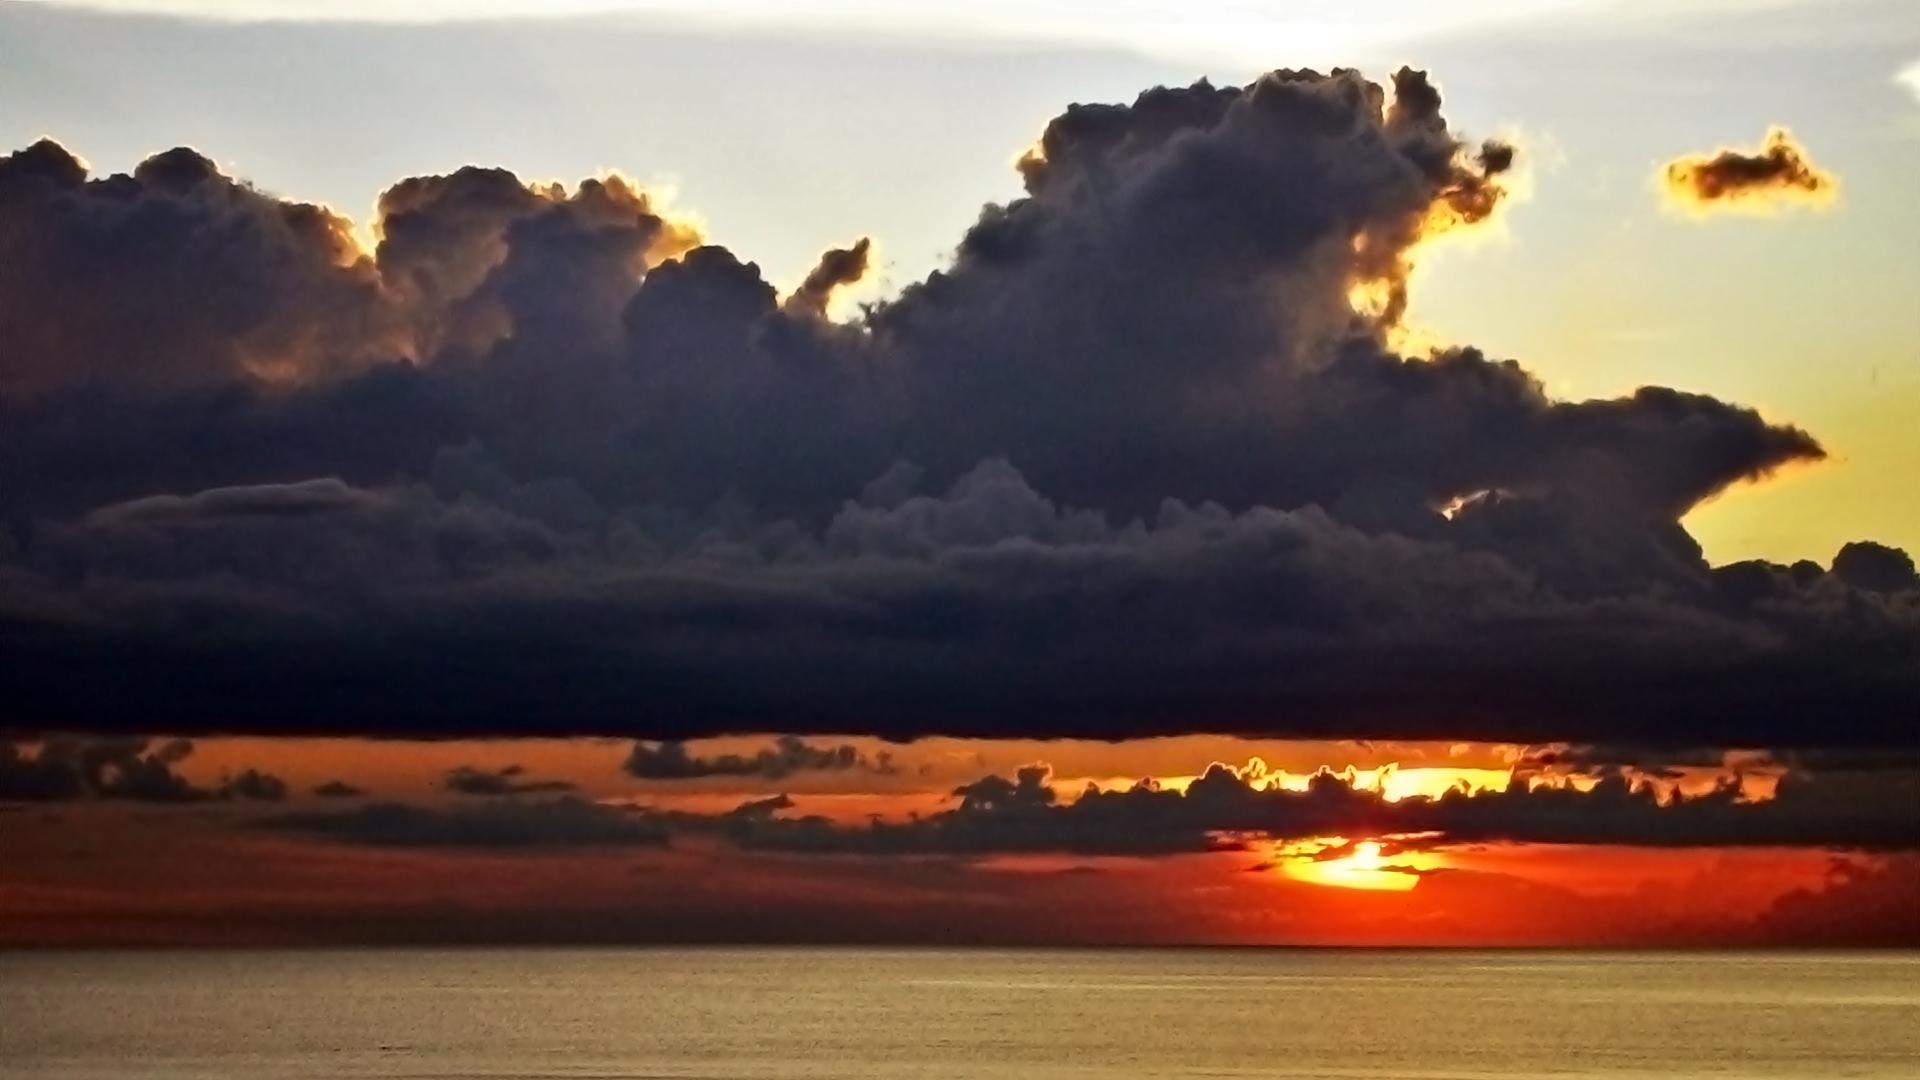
x: 742, y: 1014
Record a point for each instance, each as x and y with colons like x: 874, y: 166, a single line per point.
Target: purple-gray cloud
x: 1134, y: 462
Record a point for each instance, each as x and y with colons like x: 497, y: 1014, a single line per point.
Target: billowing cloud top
x: 1139, y: 459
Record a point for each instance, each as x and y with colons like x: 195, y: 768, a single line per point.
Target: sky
x: 655, y: 472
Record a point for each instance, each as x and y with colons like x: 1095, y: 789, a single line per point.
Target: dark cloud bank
x: 132, y: 769
x: 1134, y: 462
x: 1225, y: 809
x: 788, y: 755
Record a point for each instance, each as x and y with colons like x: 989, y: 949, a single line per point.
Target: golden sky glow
x: 69, y: 872
x: 1337, y: 862
x: 901, y: 435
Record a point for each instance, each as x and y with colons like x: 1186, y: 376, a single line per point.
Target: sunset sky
x: 1374, y: 473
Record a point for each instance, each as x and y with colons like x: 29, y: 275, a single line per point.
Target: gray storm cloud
x: 1138, y: 459
x: 1224, y: 809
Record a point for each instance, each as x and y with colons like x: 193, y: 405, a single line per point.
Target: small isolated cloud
x: 1779, y: 174
x: 510, y: 780
x: 254, y: 786
x: 1909, y: 77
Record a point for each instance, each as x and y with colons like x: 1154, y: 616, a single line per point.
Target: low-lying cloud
x: 1229, y: 808
x: 789, y: 755
x: 506, y: 780
x: 1225, y: 809
x: 61, y: 768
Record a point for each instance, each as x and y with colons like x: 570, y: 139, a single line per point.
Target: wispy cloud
x: 1319, y: 30
x: 1909, y: 77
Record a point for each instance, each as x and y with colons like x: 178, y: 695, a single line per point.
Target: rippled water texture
x: 745, y: 1014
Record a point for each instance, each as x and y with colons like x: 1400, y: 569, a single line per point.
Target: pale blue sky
x: 787, y: 135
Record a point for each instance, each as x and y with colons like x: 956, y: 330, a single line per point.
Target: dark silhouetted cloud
x: 1229, y: 809
x: 1859, y: 905
x: 1779, y: 173
x: 1225, y: 809
x: 1139, y: 460
x: 507, y: 780
x: 338, y: 789
x: 210, y: 279
x: 788, y: 755
x: 133, y: 769
x: 987, y: 611
x: 1876, y: 568
x: 252, y: 785
x: 837, y: 268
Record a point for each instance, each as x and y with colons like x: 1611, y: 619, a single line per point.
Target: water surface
x: 848, y: 1014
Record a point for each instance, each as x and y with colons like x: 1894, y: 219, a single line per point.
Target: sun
x: 1360, y: 865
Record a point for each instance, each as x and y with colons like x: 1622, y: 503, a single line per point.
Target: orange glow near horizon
x: 1366, y: 865
x: 1395, y: 783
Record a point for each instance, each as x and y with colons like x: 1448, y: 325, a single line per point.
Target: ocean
x: 847, y: 1014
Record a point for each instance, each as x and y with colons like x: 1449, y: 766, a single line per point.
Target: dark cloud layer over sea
x: 1225, y: 809
x: 1141, y: 459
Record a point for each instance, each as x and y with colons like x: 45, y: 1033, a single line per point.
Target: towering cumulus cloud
x: 1779, y: 174
x: 173, y: 274
x: 1139, y: 459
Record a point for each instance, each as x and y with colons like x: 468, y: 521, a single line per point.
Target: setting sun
x: 1362, y: 865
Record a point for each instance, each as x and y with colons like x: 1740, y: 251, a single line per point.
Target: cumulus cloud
x: 253, y: 785
x: 61, y: 768
x: 1139, y: 459
x: 477, y: 256
x: 210, y: 279
x: 1876, y: 567
x: 1778, y: 174
x: 338, y: 789
x: 788, y: 756
x: 1910, y: 78
x: 1229, y: 808
x: 1225, y: 809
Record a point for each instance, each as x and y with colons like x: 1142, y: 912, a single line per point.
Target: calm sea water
x: 746, y: 1014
